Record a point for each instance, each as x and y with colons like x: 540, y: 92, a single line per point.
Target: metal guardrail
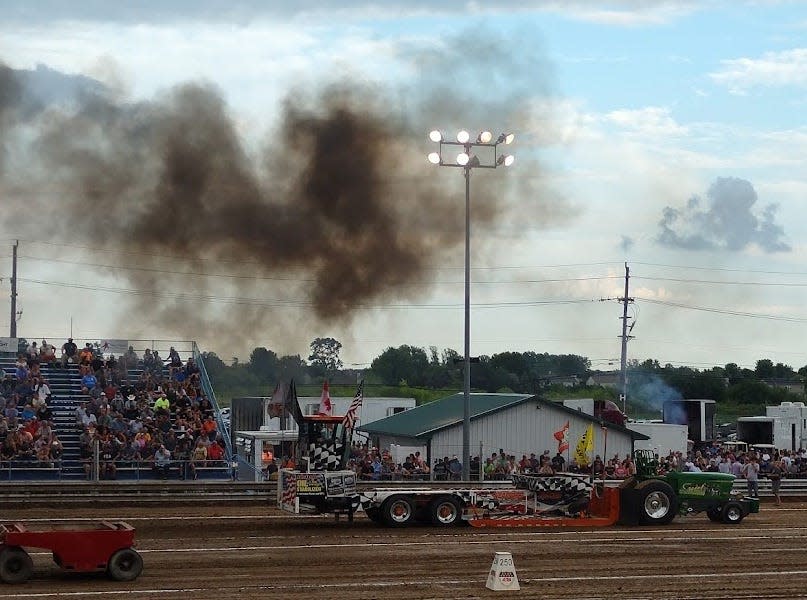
x: 264, y: 493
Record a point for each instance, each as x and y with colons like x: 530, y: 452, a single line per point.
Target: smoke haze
x: 340, y: 210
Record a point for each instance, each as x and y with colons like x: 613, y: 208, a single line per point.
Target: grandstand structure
x: 66, y: 395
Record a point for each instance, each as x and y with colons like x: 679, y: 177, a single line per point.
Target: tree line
x: 427, y: 374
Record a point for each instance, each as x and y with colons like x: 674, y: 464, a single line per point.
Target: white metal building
x: 519, y: 424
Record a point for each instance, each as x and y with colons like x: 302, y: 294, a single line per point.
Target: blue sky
x: 622, y: 110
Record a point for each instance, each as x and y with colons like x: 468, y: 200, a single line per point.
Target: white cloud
x: 648, y: 121
x: 773, y: 69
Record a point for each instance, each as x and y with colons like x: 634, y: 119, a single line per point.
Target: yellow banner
x: 585, y: 446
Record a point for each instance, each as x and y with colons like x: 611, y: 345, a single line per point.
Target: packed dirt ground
x: 255, y: 551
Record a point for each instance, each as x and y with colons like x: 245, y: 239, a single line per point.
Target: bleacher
x: 66, y: 396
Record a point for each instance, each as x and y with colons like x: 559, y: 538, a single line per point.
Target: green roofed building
x: 519, y: 424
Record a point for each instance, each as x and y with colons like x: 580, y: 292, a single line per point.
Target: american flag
x: 349, y: 422
x: 289, y: 488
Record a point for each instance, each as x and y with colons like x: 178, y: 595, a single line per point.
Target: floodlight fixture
x: 463, y: 136
x: 462, y: 159
x: 506, y: 160
x: 435, y: 136
x: 484, y: 137
x: 434, y: 158
x: 506, y: 138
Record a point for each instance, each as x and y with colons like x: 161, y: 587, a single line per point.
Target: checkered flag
x: 349, y: 422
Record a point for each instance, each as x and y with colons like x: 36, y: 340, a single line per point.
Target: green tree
x: 292, y: 367
x: 263, y: 364
x: 402, y: 364
x: 764, y: 369
x: 324, y: 357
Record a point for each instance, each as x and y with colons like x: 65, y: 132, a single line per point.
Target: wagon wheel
x: 16, y: 565
x: 125, y: 565
x: 397, y: 511
x: 445, y: 511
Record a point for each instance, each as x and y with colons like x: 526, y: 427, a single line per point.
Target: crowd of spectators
x: 160, y: 418
x: 372, y: 463
x: 27, y: 433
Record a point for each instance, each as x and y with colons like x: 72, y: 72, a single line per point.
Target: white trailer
x: 664, y: 437
x: 790, y: 428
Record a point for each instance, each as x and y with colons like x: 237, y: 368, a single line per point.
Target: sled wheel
x: 732, y: 513
x: 657, y: 502
x: 16, y: 565
x: 125, y: 565
x: 444, y: 511
x: 397, y: 511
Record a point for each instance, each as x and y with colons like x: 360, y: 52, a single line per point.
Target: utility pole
x: 13, y: 325
x: 623, y: 375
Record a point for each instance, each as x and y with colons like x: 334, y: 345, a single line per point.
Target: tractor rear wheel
x: 398, y: 511
x: 658, y: 503
x: 16, y: 565
x: 715, y: 514
x: 732, y: 513
x: 445, y: 511
x: 125, y: 565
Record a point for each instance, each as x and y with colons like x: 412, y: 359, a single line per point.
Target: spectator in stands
x: 162, y: 461
x: 158, y: 363
x: 47, y: 352
x: 174, y: 362
x: 42, y: 453
x: 56, y: 449
x: 191, y: 372
x: 210, y: 428
x: 21, y: 368
x: 32, y: 354
x: 215, y: 452
x: 41, y: 391
x: 88, y: 382
x: 198, y: 456
x: 69, y: 352
x: 161, y: 405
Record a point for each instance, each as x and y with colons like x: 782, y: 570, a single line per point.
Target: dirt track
x: 253, y: 552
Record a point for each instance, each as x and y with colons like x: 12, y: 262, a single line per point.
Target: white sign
x: 9, y: 344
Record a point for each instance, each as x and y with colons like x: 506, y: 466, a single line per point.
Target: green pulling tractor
x: 652, y: 499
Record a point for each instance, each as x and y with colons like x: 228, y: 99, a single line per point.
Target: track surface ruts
x: 251, y: 552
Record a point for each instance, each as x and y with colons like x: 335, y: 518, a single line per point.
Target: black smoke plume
x: 338, y: 212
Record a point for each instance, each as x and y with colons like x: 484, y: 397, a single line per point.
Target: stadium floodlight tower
x: 467, y: 159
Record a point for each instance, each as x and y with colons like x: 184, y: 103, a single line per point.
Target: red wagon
x: 104, y: 546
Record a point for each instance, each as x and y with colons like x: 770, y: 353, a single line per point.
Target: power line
x: 715, y: 282
x: 292, y: 303
x: 722, y: 311
x: 301, y: 280
x: 723, y: 269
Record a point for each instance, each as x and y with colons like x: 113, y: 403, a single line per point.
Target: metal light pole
x: 467, y: 161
